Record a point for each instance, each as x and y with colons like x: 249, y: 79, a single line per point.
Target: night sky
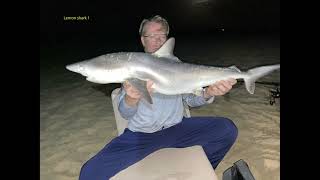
x: 121, y: 19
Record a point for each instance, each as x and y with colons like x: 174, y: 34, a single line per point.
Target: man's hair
x: 157, y: 19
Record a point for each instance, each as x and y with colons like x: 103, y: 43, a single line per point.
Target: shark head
x: 102, y: 69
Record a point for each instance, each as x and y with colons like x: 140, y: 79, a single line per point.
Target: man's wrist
x: 205, y: 95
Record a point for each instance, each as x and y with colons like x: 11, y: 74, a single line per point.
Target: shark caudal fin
x: 256, y: 73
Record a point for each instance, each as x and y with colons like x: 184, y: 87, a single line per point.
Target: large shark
x: 170, y: 76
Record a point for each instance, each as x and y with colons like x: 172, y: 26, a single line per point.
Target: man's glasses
x: 155, y: 36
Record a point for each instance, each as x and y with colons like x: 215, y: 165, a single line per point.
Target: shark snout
x: 77, y: 68
x: 70, y: 67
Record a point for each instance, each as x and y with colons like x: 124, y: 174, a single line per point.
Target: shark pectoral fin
x: 142, y: 87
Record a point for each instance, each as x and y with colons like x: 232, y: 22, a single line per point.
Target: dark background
x: 118, y: 21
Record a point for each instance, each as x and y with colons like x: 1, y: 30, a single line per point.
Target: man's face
x: 154, y: 37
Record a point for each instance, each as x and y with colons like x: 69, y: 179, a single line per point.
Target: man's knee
x: 232, y: 129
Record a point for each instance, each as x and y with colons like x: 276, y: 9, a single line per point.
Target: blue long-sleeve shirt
x: 166, y: 111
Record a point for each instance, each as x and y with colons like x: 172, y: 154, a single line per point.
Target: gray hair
x: 157, y: 19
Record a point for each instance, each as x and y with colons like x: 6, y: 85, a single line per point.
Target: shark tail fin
x: 256, y: 73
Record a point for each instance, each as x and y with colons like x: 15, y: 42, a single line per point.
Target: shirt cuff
x: 209, y: 100
x: 127, y: 110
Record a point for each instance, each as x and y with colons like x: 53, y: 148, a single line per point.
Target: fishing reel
x: 274, y: 93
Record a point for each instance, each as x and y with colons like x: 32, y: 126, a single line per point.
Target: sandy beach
x: 77, y: 120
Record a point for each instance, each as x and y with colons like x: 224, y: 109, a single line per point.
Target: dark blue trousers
x: 215, y: 134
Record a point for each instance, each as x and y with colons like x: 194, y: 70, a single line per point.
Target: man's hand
x: 133, y: 95
x: 219, y: 88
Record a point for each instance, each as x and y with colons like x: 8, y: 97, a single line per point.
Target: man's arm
x: 129, y: 99
x: 126, y: 110
x: 195, y: 101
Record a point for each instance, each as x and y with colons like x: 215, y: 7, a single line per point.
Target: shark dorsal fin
x: 167, y: 49
x: 233, y: 67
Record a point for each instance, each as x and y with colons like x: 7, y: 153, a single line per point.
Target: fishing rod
x: 274, y: 92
